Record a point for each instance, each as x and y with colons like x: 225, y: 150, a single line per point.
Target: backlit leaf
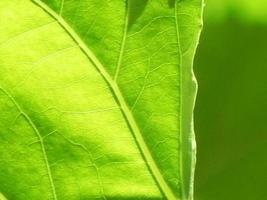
x: 96, y: 99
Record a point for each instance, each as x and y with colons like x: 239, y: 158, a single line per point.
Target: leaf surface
x: 96, y: 98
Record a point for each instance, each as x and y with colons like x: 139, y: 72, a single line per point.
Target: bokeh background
x: 231, y: 107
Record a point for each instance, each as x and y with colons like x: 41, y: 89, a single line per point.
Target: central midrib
x: 150, y: 162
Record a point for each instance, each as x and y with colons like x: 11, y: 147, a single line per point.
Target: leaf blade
x: 124, y: 102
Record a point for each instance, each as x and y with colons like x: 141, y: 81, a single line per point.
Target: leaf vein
x: 122, y: 43
x: 40, y: 139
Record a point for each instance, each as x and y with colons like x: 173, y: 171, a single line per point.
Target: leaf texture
x: 96, y: 99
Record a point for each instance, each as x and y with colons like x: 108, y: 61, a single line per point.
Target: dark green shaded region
x: 231, y: 112
x: 136, y: 8
x: 172, y: 3
x: 54, y: 4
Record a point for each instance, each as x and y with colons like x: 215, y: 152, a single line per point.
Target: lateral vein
x: 181, y: 82
x: 31, y: 123
x: 61, y: 7
x: 122, y: 42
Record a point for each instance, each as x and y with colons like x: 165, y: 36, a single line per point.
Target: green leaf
x: 96, y: 98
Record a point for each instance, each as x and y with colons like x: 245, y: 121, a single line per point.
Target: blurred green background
x: 231, y: 107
